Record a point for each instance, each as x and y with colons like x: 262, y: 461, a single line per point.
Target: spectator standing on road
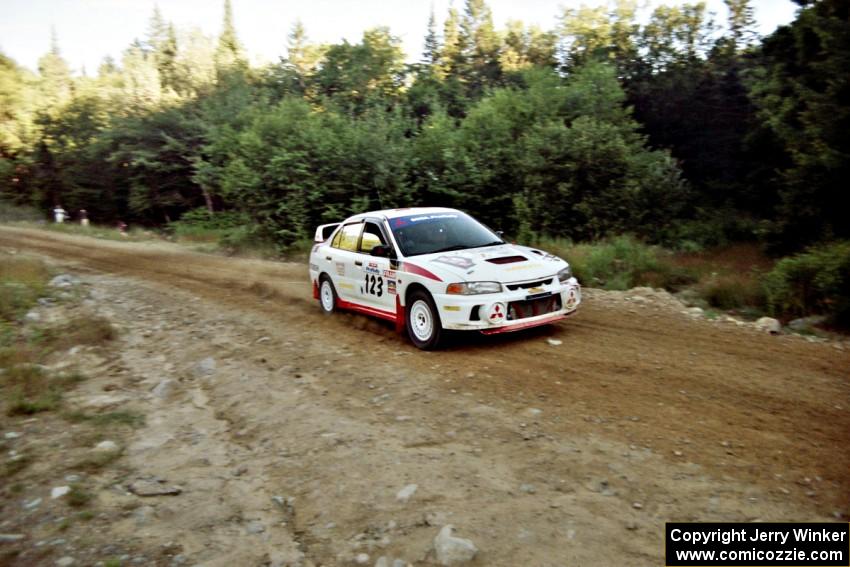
x: 84, y: 217
x: 59, y: 214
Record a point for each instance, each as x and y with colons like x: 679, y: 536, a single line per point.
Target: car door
x: 342, y: 256
x: 377, y: 285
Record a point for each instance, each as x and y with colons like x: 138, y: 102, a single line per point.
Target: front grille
x: 533, y: 307
x: 529, y: 285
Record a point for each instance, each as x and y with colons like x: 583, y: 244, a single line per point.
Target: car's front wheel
x: 327, y: 295
x: 423, y: 321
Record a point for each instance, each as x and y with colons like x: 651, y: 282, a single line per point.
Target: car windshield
x: 440, y: 232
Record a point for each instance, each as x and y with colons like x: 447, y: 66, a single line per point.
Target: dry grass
x: 27, y: 271
x: 28, y: 389
x: 732, y: 291
x: 78, y: 496
x: 95, y: 331
x: 108, y: 419
x: 22, y: 281
x: 17, y: 354
x: 88, y: 330
x: 735, y: 259
x: 97, y: 460
x: 14, y: 466
x: 729, y: 277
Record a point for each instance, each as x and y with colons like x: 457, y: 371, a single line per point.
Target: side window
x: 348, y: 237
x: 371, y: 237
x: 337, y: 238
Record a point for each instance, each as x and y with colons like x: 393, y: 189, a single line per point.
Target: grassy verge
x: 730, y: 278
x: 27, y: 386
x: 97, y: 231
x: 621, y: 263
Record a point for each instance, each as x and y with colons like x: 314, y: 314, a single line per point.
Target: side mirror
x: 382, y: 251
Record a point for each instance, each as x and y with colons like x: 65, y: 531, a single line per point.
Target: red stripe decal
x: 389, y: 316
x: 399, y: 316
x: 414, y: 269
x: 526, y: 325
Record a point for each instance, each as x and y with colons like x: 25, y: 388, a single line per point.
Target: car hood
x: 501, y: 263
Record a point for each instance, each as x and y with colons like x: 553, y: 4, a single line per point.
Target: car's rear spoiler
x: 324, y: 232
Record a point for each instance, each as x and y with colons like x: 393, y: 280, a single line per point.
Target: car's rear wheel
x: 423, y: 321
x: 327, y: 295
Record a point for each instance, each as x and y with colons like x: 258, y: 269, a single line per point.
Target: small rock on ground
x: 405, y: 493
x: 453, y: 550
x: 769, y: 325
x: 206, y: 367
x: 165, y: 389
x: 59, y: 491
x: 143, y: 487
x: 106, y: 446
x: 64, y: 280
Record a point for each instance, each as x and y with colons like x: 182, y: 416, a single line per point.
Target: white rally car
x: 429, y: 269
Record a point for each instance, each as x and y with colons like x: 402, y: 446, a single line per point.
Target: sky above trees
x: 89, y: 30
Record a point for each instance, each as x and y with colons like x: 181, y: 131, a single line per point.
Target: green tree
x: 365, y: 74
x: 17, y: 106
x: 800, y: 87
x: 480, y: 47
x: 195, y: 68
x: 162, y: 46
x: 229, y: 52
x: 141, y: 80
x: 526, y: 47
x: 55, y: 77
x: 742, y: 24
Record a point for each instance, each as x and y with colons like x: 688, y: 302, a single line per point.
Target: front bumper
x: 510, y: 310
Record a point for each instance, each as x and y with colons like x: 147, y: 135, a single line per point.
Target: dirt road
x: 541, y: 454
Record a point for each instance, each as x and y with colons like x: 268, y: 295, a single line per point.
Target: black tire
x: 327, y: 304
x: 423, y: 321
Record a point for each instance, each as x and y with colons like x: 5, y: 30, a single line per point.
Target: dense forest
x: 675, y: 127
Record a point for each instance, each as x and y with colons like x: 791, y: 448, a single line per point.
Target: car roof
x: 405, y: 212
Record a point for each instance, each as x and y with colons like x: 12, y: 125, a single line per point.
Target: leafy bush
x: 717, y: 228
x: 202, y: 225
x: 17, y: 213
x: 816, y: 281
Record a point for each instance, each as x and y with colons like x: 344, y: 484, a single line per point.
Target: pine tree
x: 431, y: 55
x: 741, y: 24
x: 229, y: 52
x: 481, y: 44
x: 451, y: 55
x: 162, y: 46
x: 56, y: 81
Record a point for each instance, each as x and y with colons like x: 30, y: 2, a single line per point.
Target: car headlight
x: 473, y: 288
x: 565, y: 274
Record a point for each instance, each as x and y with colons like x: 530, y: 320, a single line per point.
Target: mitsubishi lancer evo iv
x: 430, y: 269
